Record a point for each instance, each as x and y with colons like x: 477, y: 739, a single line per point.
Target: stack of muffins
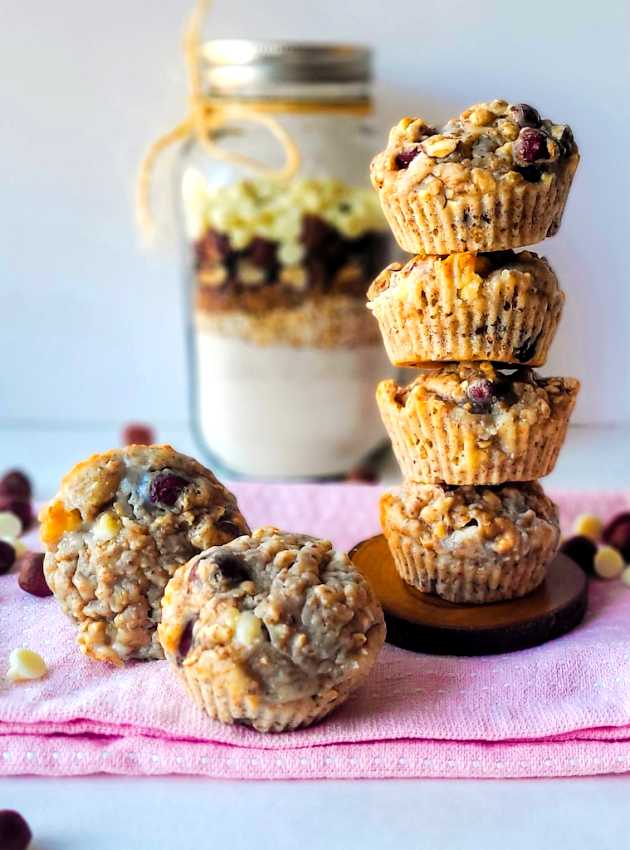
x: 478, y: 426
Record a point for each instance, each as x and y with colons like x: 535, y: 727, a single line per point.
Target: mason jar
x: 285, y: 356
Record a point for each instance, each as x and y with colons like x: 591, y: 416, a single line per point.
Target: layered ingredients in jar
x: 286, y: 353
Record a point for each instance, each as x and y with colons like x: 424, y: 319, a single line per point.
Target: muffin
x: 272, y: 631
x: 471, y: 544
x: 500, y: 306
x: 121, y: 524
x: 469, y: 423
x: 496, y: 177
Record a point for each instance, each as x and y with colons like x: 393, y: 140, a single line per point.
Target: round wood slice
x: 426, y: 623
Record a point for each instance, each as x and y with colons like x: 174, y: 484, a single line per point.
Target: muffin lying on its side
x: 272, y: 631
x: 121, y: 524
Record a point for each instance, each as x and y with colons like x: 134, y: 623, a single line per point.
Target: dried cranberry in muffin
x: 120, y: 526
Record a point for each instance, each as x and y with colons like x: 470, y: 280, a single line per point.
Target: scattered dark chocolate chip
x: 362, y: 474
x: 165, y: 488
x: 530, y: 146
x: 15, y: 833
x: 405, y: 158
x: 21, y: 508
x: 524, y: 115
x: 185, y: 641
x: 15, y: 484
x: 31, y: 576
x: 137, y: 434
x: 617, y: 533
x: 582, y: 550
x: 7, y: 556
x: 231, y: 569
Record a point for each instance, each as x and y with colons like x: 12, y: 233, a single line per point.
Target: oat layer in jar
x: 285, y: 355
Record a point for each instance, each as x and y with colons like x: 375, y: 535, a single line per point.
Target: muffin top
x: 487, y: 142
x: 481, y: 389
x: 155, y: 486
x: 276, y: 615
x: 464, y: 520
x: 473, y: 275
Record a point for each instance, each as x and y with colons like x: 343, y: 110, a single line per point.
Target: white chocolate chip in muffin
x: 588, y: 525
x: 248, y: 628
x: 608, y: 562
x: 25, y: 665
x: 106, y: 526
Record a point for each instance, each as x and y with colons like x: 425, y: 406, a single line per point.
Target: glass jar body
x: 284, y: 354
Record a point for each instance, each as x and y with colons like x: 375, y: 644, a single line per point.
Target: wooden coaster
x: 426, y: 623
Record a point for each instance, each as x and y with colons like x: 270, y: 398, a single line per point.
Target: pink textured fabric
x: 562, y: 709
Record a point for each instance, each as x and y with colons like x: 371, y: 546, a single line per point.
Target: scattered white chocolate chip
x: 24, y: 665
x: 10, y: 525
x: 588, y: 525
x: 106, y: 526
x: 248, y: 628
x: 608, y: 562
x: 625, y: 576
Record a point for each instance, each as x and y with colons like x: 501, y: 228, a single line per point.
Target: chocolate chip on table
x: 405, y: 158
x: 31, y: 576
x: 362, y: 474
x: 165, y: 488
x: 15, y: 833
x: 7, y: 556
x: 231, y: 568
x: 530, y: 146
x: 524, y: 115
x: 582, y: 550
x: 18, y: 507
x: 15, y: 484
x: 137, y: 434
x: 617, y: 533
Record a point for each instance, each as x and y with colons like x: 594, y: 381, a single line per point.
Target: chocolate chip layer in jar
x: 503, y: 306
x: 274, y: 630
x: 284, y: 354
x: 471, y: 544
x: 472, y: 423
x: 496, y: 177
x: 121, y: 524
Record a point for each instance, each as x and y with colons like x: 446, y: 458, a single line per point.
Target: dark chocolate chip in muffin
x: 527, y: 349
x: 405, y: 158
x: 231, y: 568
x: 186, y: 640
x: 165, y: 488
x: 525, y: 115
x: 530, y: 146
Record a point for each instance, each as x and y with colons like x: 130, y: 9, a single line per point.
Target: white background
x: 92, y: 328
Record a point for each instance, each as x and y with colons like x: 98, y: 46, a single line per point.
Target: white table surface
x: 121, y: 813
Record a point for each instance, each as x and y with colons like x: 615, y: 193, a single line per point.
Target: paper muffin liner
x: 220, y: 702
x: 433, y: 447
x: 462, y: 581
x: 513, y: 215
x: 452, y: 328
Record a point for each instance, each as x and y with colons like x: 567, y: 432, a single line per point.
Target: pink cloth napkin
x: 562, y: 709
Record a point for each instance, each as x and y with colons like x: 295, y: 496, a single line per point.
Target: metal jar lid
x: 246, y: 68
